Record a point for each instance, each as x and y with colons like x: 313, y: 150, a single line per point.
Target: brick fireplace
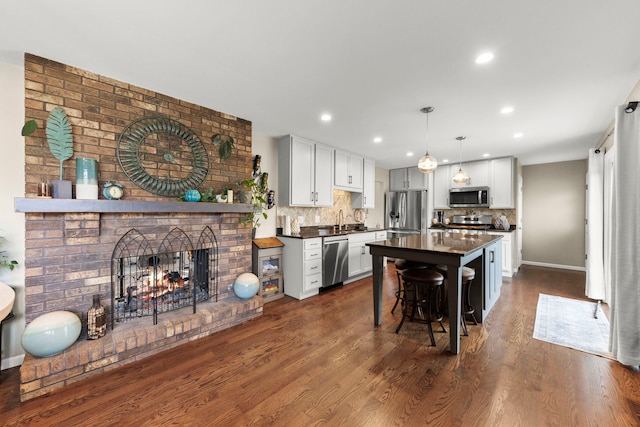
x: 69, y: 243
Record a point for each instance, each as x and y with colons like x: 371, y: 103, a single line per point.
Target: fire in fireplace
x: 146, y: 282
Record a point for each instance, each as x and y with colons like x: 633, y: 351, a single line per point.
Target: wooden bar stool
x: 423, y: 288
x: 401, y: 265
x: 468, y: 274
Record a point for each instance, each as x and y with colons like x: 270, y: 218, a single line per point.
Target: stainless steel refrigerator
x: 406, y: 212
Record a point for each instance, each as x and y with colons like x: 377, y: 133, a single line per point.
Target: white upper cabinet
x: 502, y: 183
x: 407, y: 179
x: 366, y: 199
x: 348, y: 171
x: 397, y: 179
x: 478, y: 173
x: 305, y: 172
x: 323, y: 173
x: 442, y: 180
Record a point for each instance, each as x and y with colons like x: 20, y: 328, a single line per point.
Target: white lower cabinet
x: 360, y: 261
x: 508, y: 252
x: 493, y: 285
x: 303, y: 277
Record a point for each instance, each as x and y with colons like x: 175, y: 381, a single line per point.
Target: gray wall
x: 553, y: 214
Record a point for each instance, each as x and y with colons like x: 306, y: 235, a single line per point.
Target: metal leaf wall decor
x: 59, y: 136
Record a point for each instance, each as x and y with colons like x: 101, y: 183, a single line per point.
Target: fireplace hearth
x: 207, y: 249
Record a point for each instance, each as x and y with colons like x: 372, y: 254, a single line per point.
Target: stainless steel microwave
x: 469, y: 197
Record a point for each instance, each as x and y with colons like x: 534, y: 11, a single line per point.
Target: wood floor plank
x: 321, y: 361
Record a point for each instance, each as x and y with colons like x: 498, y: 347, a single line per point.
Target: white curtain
x: 624, y: 342
x: 595, y: 287
x: 609, y: 160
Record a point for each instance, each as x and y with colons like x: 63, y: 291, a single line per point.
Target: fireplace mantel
x: 40, y: 205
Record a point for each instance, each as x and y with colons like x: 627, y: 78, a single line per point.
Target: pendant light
x: 460, y: 177
x: 427, y: 163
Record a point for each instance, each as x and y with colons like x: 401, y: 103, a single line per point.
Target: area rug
x: 570, y: 323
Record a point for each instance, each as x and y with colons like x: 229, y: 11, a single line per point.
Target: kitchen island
x: 479, y: 251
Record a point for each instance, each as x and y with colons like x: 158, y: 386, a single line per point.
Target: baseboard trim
x: 546, y: 264
x: 12, y: 362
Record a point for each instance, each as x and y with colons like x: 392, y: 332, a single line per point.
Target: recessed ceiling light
x: 409, y: 154
x: 325, y: 117
x: 507, y: 110
x: 486, y: 155
x: 485, y: 57
x: 377, y: 139
x: 445, y: 160
x: 518, y: 135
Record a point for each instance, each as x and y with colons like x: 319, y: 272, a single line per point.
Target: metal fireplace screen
x: 146, y: 282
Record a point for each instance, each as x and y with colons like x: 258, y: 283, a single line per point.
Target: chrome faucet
x: 340, y: 219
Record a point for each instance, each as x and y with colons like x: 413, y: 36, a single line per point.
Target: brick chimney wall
x: 68, y: 254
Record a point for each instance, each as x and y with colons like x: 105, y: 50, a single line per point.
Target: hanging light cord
x: 427, y: 133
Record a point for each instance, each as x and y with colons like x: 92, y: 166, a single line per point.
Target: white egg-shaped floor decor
x: 51, y: 333
x: 246, y: 285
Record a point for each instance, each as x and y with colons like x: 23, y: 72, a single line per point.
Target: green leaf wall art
x: 59, y: 136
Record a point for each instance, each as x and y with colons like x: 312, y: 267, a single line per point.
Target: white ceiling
x: 372, y: 64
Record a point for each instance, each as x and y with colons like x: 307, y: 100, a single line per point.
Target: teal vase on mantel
x: 192, y: 196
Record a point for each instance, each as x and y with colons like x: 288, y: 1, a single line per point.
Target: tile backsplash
x: 342, y: 201
x: 326, y: 216
x: 495, y: 213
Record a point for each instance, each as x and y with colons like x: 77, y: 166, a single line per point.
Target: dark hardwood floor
x: 321, y: 361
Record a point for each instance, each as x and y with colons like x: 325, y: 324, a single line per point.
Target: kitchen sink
x: 331, y: 232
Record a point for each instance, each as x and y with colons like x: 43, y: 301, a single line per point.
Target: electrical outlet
x: 317, y: 219
x: 300, y: 220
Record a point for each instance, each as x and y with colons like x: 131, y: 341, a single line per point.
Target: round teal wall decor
x: 162, y: 156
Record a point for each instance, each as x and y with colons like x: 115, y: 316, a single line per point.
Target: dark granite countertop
x: 473, y: 227
x: 453, y: 243
x: 327, y: 231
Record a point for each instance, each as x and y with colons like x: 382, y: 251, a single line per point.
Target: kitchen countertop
x: 312, y: 232
x: 455, y: 243
x: 473, y: 227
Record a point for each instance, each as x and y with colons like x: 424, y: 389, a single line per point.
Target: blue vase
x: 192, y: 196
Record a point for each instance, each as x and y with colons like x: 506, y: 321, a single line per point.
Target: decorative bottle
x: 96, y: 320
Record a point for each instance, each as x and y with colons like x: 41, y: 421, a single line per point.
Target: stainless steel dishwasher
x: 335, y: 260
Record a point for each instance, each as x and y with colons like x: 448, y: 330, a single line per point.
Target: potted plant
x: 4, y: 260
x: 224, y: 144
x: 60, y: 140
x: 256, y: 191
x: 43, y: 186
x: 213, y: 196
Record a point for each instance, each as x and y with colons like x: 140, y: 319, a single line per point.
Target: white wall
x: 11, y: 223
x: 267, y: 147
x: 375, y: 216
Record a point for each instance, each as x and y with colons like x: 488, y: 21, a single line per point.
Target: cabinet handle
x: 314, y: 267
x: 314, y: 282
x: 362, y: 250
x: 312, y: 196
x: 492, y: 257
x: 313, y: 254
x: 365, y: 200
